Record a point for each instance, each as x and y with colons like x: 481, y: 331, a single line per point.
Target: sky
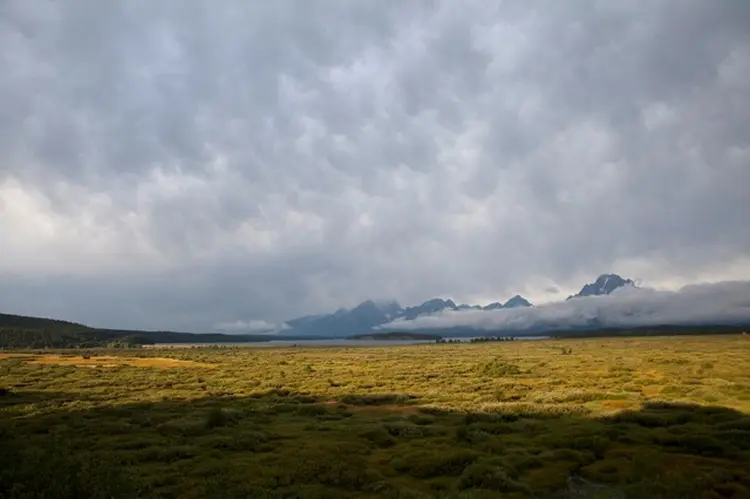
x: 189, y: 164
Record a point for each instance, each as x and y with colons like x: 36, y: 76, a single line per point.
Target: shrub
x: 529, y: 463
x: 701, y: 445
x: 484, y: 476
x: 498, y: 367
x: 471, y: 435
x: 376, y: 399
x: 737, y: 424
x: 487, y: 417
x: 58, y: 472
x: 379, y: 436
x: 435, y: 464
x: 421, y: 420
x: 216, y: 417
x: 253, y: 441
x: 596, y: 444
x: 311, y: 410
x: 405, y: 430
x: 738, y: 438
x: 333, y: 468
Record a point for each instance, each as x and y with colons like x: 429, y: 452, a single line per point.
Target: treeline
x: 20, y: 332
x: 395, y: 336
x: 482, y: 339
x: 14, y: 337
x: 17, y: 331
x: 50, y: 337
x: 485, y: 339
x: 22, y: 321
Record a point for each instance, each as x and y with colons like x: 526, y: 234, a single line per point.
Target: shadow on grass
x: 11, y: 397
x: 287, y: 445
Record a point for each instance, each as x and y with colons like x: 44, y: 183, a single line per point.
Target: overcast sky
x: 181, y: 164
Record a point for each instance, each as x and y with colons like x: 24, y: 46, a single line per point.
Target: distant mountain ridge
x: 369, y: 315
x: 517, y: 301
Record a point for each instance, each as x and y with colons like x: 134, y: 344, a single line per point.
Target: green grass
x: 624, y: 417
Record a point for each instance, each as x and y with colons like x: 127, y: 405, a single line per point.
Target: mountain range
x: 720, y: 308
x: 370, y: 316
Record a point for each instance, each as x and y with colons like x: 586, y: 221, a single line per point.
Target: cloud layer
x: 720, y: 303
x: 183, y: 164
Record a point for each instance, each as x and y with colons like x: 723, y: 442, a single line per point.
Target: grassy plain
x: 651, y: 417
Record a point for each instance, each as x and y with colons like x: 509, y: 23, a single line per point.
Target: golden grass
x: 507, y: 419
x: 103, y: 361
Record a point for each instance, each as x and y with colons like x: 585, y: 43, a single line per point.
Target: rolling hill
x: 17, y: 331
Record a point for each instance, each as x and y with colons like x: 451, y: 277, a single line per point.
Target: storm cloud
x: 190, y: 165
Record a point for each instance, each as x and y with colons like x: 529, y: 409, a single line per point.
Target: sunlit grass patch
x: 103, y: 361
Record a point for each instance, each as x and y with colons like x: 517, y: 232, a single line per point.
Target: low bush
x: 380, y: 436
x: 499, y: 368
x: 437, y: 463
x: 376, y: 399
x: 335, y: 469
x: 485, y: 476
x: 58, y: 473
x: 598, y: 445
x: 311, y: 410
x: 701, y: 445
x: 216, y: 417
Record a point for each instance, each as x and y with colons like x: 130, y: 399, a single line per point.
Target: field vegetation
x: 619, y: 418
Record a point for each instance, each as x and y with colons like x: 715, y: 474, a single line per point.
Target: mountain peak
x: 513, y: 302
x: 603, y: 285
x: 366, y: 304
x: 387, y: 307
x: 438, y: 302
x: 429, y: 307
x: 517, y: 301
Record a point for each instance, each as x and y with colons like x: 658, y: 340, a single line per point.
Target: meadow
x: 661, y: 417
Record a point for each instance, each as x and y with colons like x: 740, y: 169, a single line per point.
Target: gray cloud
x: 726, y: 302
x: 251, y: 327
x: 186, y: 164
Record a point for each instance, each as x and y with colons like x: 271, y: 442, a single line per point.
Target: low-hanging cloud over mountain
x: 725, y: 302
x: 252, y: 326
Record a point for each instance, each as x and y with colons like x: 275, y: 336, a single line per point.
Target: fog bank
x: 720, y: 303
